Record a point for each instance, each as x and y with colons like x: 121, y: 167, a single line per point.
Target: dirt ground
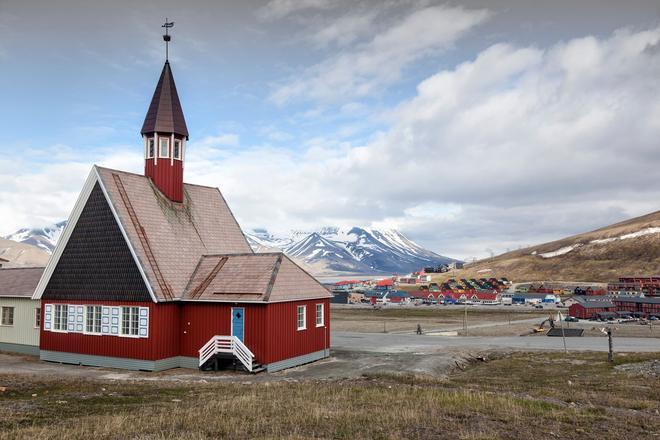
x: 404, y: 319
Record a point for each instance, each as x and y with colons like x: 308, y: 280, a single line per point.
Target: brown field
x: 401, y: 319
x: 524, y: 395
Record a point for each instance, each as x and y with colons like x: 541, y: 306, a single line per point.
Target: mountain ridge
x: 627, y: 248
x: 327, y: 251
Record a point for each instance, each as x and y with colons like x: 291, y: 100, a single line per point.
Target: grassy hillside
x: 601, y: 255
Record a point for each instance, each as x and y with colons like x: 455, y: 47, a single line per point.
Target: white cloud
x: 519, y: 145
x: 277, y: 9
x: 362, y: 70
x: 516, y: 146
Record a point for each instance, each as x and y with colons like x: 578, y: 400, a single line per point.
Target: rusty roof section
x: 268, y: 277
x: 170, y: 238
x: 19, y: 281
x: 165, y: 114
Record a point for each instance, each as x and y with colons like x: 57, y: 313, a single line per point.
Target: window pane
x: 151, y: 148
x: 164, y: 147
x: 177, y: 149
x: 37, y: 317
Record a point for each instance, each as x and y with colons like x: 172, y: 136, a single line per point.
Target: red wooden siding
x: 201, y: 321
x: 285, y: 341
x: 167, y: 176
x: 161, y: 343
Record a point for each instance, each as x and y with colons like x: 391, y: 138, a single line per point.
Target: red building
x: 643, y: 307
x: 591, y: 309
x: 151, y: 273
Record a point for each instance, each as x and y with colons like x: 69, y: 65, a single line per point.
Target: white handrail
x: 226, y: 344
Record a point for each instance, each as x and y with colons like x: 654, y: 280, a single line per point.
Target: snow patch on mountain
x: 328, y: 250
x: 343, y: 250
x: 44, y: 238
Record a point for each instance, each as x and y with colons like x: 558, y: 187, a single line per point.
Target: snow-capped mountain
x: 44, y: 238
x: 327, y: 251
x: 355, y: 250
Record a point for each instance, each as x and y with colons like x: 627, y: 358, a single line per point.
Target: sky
x: 473, y: 127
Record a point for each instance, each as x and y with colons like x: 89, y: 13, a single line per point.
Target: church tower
x: 165, y: 134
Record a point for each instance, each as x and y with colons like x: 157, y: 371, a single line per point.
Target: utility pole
x: 610, y: 354
x: 465, y: 324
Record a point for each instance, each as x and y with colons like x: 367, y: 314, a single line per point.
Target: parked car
x: 571, y: 319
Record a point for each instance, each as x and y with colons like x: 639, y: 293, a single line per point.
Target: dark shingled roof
x: 165, y: 114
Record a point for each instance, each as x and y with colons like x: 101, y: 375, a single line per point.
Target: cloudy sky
x: 471, y: 126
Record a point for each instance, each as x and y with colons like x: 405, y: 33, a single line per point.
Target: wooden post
x: 610, y: 353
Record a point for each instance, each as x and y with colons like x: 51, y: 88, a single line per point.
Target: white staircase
x: 226, y: 344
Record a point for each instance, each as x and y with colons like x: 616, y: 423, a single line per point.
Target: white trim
x: 66, y: 233
x: 92, y: 179
x: 183, y: 152
x: 85, y: 312
x: 155, y: 148
x: 304, y: 326
x: 322, y: 324
x: 160, y: 148
x: 171, y: 150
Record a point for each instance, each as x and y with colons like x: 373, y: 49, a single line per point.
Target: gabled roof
x: 165, y: 114
x: 268, y: 277
x: 166, y: 239
x: 20, y: 281
x: 194, y: 250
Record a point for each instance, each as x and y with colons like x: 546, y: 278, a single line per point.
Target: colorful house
x: 152, y: 273
x: 20, y: 315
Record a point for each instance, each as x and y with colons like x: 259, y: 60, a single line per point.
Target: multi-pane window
x: 130, y: 319
x: 37, y: 317
x: 302, y: 324
x: 319, y: 315
x: 151, y: 148
x: 61, y: 316
x: 164, y: 147
x: 177, y: 149
x: 7, y: 316
x: 93, y: 323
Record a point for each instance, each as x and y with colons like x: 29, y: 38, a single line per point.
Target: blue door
x: 237, y: 320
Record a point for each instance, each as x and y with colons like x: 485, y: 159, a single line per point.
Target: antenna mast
x: 167, y: 37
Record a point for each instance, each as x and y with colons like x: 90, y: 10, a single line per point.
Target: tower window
x: 177, y: 149
x: 164, y: 147
x: 151, y: 148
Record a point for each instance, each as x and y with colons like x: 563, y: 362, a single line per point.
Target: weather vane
x: 167, y: 37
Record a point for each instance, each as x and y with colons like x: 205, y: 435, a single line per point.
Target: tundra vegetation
x: 520, y: 395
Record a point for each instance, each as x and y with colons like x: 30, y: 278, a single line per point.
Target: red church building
x: 152, y: 273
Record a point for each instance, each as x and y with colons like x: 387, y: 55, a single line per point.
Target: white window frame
x: 304, y: 317
x: 62, y: 308
x: 151, y: 147
x: 133, y: 321
x: 37, y: 317
x: 320, y: 307
x: 97, y: 312
x: 160, y: 147
x: 2, y: 316
x: 174, y: 147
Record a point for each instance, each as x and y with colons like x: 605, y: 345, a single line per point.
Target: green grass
x: 525, y: 395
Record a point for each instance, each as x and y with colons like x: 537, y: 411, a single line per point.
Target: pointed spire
x: 165, y: 114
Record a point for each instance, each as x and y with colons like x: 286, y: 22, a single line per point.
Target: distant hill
x: 43, y: 238
x: 631, y: 247
x: 21, y: 254
x: 327, y: 251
